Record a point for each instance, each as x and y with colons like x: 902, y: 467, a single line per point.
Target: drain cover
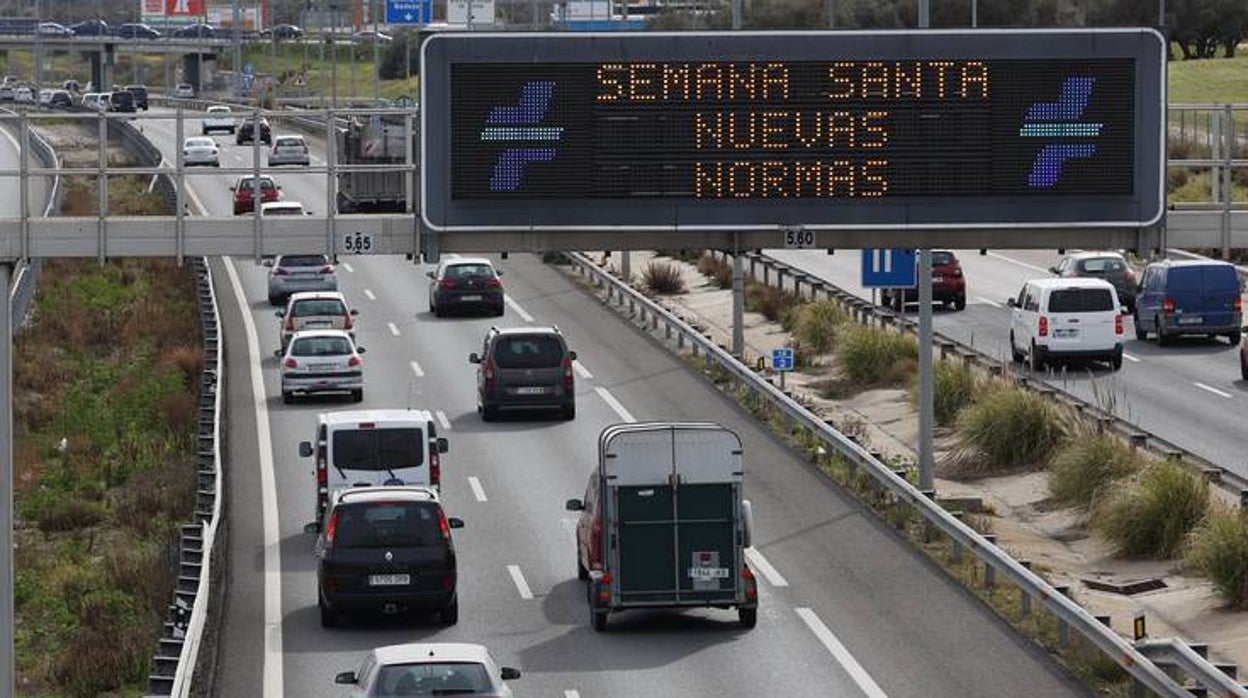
x: 1125, y: 588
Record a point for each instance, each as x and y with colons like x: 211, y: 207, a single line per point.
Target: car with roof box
x: 385, y: 550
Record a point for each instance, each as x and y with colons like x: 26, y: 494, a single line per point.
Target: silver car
x: 200, y: 150
x: 290, y: 273
x: 314, y: 311
x: 289, y: 150
x: 430, y: 669
x: 321, y: 361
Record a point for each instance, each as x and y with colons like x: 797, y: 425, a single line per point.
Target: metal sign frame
x: 600, y: 223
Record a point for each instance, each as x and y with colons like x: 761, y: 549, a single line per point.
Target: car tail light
x: 448, y: 581
x: 447, y: 283
x: 1239, y: 304
x: 355, y: 361
x: 290, y: 322
x: 1118, y: 323
x: 444, y: 526
x: 567, y: 373
x: 1167, y: 305
x: 1044, y: 327
x: 327, y: 269
x: 331, y: 529
x: 751, y: 585
x: 957, y: 273
x: 435, y: 465
x: 493, y: 282
x: 595, y: 545
x: 279, y: 271
x: 290, y: 363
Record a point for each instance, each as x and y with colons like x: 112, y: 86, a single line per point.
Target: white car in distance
x: 219, y: 118
x: 200, y: 150
x: 184, y: 90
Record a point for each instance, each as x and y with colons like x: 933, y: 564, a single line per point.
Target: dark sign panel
x: 824, y: 130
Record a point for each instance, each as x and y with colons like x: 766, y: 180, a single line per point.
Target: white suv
x: 1060, y: 319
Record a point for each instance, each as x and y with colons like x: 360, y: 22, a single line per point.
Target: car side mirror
x: 233, y: 188
x: 355, y: 311
x: 313, y: 527
x: 1011, y: 303
x: 268, y: 262
x: 305, y: 449
x: 574, y: 505
x: 1125, y: 310
x: 442, y: 444
x: 572, y: 356
x: 430, y: 275
x: 360, y: 350
x: 454, y: 522
x: 510, y: 674
x: 280, y: 314
x: 277, y: 353
x: 499, y: 272
x: 473, y: 358
x: 345, y: 677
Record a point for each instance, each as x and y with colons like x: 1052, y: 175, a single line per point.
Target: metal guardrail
x: 865, y: 312
x: 27, y: 274
x: 177, y: 655
x: 1069, y: 614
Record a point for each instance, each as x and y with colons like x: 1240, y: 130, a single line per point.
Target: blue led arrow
x: 1060, y: 120
x: 521, y: 122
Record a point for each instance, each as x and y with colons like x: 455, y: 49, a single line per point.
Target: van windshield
x: 387, y: 525
x: 378, y: 449
x: 532, y: 351
x: 1080, y: 300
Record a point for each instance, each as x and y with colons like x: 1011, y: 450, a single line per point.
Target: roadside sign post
x: 782, y: 362
x: 927, y: 394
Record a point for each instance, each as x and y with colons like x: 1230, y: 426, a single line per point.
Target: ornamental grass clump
x: 1152, y: 514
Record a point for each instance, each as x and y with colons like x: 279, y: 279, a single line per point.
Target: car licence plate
x: 531, y: 390
x: 389, y: 580
x: 708, y: 572
x: 469, y: 298
x: 937, y: 279
x: 1190, y: 319
x: 1065, y: 333
x: 322, y: 367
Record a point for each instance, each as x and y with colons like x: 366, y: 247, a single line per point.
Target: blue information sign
x: 409, y: 11
x: 782, y: 359
x: 888, y: 268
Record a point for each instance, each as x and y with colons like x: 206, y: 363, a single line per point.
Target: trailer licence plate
x: 389, y: 580
x: 708, y: 572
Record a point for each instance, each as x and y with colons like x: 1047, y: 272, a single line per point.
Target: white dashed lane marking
x: 764, y: 568
x: 420, y: 373
x: 614, y: 404
x: 1129, y: 357
x: 446, y: 423
x: 394, y: 329
x: 1211, y: 389
x: 370, y: 295
x: 841, y: 654
x: 581, y: 370
x: 347, y: 266
x: 477, y: 490
x: 521, y: 585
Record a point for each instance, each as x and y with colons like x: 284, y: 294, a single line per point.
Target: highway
x: 1189, y: 394
x: 10, y: 187
x: 847, y: 608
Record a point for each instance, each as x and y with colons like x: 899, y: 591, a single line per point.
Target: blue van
x: 1189, y: 297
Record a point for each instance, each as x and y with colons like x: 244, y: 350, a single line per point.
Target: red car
x: 948, y: 284
x: 244, y: 189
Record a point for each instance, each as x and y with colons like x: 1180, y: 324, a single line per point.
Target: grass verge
x: 1218, y: 549
x: 954, y: 385
x: 871, y: 356
x: 1087, y: 466
x: 719, y: 269
x: 1152, y: 514
x: 1006, y: 427
x: 663, y: 278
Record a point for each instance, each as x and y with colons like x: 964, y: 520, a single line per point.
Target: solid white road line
x: 420, y: 373
x: 446, y: 423
x: 987, y: 301
x: 1129, y: 357
x: 273, y: 680
x: 1025, y: 265
x: 581, y: 370
x: 370, y: 295
x: 571, y: 694
x: 477, y: 490
x: 347, y: 266
x: 521, y: 585
x: 614, y: 404
x: 394, y: 329
x: 516, y: 307
x: 765, y: 568
x: 1213, y: 390
x: 840, y: 654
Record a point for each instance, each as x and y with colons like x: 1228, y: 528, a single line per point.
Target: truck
x: 373, y: 140
x: 664, y: 523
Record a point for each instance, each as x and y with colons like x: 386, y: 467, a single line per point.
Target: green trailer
x: 664, y: 523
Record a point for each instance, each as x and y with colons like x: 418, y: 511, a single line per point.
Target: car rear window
x: 289, y: 143
x: 460, y: 271
x: 443, y: 678
x: 321, y: 346
x: 1081, y: 300
x: 282, y: 211
x: 943, y: 259
x: 303, y: 260
x: 1102, y: 265
x: 388, y: 525
x: 317, y: 306
x: 377, y: 449
x: 528, y: 351
x: 248, y: 184
x: 218, y: 110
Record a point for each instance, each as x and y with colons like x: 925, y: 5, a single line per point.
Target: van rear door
x: 1220, y: 288
x: 375, y: 453
x: 1082, y: 318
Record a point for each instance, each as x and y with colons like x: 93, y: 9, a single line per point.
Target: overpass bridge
x: 197, y: 55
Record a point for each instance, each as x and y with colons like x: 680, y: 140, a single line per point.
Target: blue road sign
x: 782, y: 359
x: 409, y: 11
x: 249, y: 69
x: 888, y: 268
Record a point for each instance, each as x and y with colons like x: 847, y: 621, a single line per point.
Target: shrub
x: 662, y: 277
x: 817, y: 324
x: 1219, y: 550
x: 954, y: 386
x: 1153, y: 514
x: 873, y: 356
x: 720, y: 270
x: 1006, y: 427
x: 70, y: 515
x: 772, y: 302
x: 1082, y: 470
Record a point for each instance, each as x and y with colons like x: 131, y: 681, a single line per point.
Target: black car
x: 136, y: 31
x: 282, y: 32
x: 139, y: 92
x: 91, y: 27
x: 196, y: 31
x: 465, y: 283
x: 525, y: 368
x: 120, y: 101
x: 388, y: 550
x: 245, y: 128
x: 61, y: 100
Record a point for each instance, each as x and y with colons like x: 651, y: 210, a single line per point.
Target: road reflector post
x: 1139, y: 627
x: 1063, y: 630
x: 1024, y: 597
x: 990, y: 572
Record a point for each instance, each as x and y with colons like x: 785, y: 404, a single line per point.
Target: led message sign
x: 826, y: 130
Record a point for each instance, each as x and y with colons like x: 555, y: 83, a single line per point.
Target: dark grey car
x: 525, y: 368
x: 465, y: 283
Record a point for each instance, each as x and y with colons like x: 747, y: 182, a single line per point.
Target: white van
x: 356, y: 448
x: 1071, y: 318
